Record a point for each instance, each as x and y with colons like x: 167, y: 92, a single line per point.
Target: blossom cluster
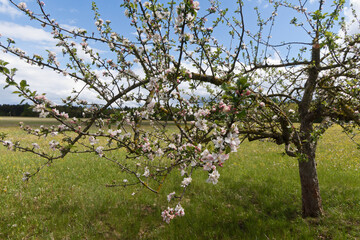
x: 171, y: 213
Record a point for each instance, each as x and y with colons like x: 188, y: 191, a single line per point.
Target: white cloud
x: 6, y: 8
x: 47, y: 81
x: 25, y: 33
x: 73, y: 10
x: 353, y: 27
x: 69, y: 27
x: 39, y: 36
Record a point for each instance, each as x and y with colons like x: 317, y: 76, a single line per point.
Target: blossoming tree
x: 196, y: 97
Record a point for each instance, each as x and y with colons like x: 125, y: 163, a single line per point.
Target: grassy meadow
x: 257, y: 197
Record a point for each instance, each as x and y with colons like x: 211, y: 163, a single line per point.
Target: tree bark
x: 310, y: 191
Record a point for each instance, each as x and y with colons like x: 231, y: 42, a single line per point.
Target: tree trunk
x: 310, y: 192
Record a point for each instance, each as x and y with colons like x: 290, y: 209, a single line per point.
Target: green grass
x: 257, y: 197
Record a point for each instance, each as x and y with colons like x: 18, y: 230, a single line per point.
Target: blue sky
x: 69, y: 13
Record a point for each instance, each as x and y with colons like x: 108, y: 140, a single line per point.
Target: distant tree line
x: 25, y: 110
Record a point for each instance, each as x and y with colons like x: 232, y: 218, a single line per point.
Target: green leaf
x: 3, y: 63
x: 241, y: 81
x: 241, y: 114
x: 227, y: 150
x: 4, y: 70
x: 12, y: 83
x: 23, y: 84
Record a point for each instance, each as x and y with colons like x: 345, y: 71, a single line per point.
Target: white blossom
x: 159, y: 152
x: 35, y: 146
x: 151, y: 105
x: 53, y: 144
x: 52, y: 55
x: 179, y: 211
x: 186, y: 182
x: 233, y: 140
x: 93, y: 140
x: 213, y: 177
x: 171, y: 145
x: 127, y: 13
x: 146, y: 172
x: 170, y: 196
x: 99, y: 151
x: 218, y: 142
x: 8, y: 144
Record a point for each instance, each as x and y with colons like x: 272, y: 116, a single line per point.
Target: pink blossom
x: 207, y: 166
x: 226, y: 108
x: 196, y: 5
x: 64, y: 115
x: 84, y: 44
x: 189, y: 74
x: 146, y: 147
x: 206, y: 156
x: 198, y: 148
x: 22, y: 6
x: 222, y: 158
x: 40, y: 97
x: 168, y: 215
x: 171, y: 213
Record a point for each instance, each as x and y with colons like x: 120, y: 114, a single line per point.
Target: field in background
x: 257, y: 197
x: 6, y: 122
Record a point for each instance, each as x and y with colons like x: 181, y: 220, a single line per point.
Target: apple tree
x: 197, y: 94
